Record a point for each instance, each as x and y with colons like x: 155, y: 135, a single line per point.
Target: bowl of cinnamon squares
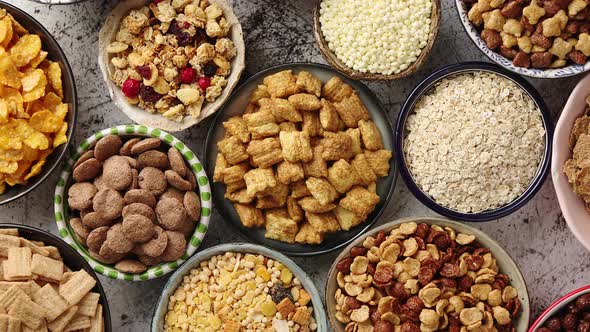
x: 301, y: 159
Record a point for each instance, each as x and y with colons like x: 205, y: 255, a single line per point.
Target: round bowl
x: 62, y: 210
x: 505, y: 263
x: 332, y: 59
x: 498, y: 58
x: 71, y: 259
x: 572, y: 206
x: 107, y: 35
x: 422, y: 89
x: 557, y: 306
x: 55, y: 53
x: 176, y: 278
x: 235, y: 106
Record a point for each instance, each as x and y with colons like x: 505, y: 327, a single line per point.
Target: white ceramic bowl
x: 567, y: 71
x: 557, y: 306
x: 572, y: 206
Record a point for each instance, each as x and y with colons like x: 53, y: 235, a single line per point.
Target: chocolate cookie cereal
x: 130, y: 213
x: 424, y: 277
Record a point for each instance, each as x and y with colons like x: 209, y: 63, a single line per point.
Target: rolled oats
x: 474, y: 142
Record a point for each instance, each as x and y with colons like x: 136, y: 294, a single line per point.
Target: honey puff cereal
x: 240, y: 292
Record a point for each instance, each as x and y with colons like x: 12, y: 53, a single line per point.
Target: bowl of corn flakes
x: 37, y: 103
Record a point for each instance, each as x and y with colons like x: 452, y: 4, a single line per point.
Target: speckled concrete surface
x: 276, y: 32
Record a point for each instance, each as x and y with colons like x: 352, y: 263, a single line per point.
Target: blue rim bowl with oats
x: 463, y: 174
x: 194, y: 235
x: 54, y: 53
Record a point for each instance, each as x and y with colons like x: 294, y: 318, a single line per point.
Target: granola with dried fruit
x: 577, y: 167
x: 171, y: 57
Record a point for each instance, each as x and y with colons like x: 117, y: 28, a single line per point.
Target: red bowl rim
x: 555, y: 304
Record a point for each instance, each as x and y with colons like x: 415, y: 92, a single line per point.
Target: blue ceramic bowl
x: 423, y: 88
x: 176, y: 279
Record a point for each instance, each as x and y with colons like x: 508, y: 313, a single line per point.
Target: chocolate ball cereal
x: 574, y: 317
x: 125, y: 210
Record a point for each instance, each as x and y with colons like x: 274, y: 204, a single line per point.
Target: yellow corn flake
x: 32, y: 79
x: 3, y: 111
x: 8, y: 167
x: 25, y: 50
x: 37, y: 91
x: 54, y: 75
x: 46, y: 122
x: 5, y: 31
x: 11, y: 154
x: 35, y: 170
x: 14, y: 101
x: 51, y: 101
x: 9, y: 74
x: 60, y: 136
x: 38, y: 59
x: 2, y: 187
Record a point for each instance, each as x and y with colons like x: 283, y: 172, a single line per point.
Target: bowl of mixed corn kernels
x: 249, y: 287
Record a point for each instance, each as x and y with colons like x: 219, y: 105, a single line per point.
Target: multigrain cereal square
x: 78, y: 322
x: 299, y: 189
x: 294, y: 211
x: 274, y: 197
x: 361, y: 165
x: 336, y: 146
x: 8, y: 241
x: 379, y: 161
x: 280, y: 228
x: 351, y: 110
x: 309, y: 235
x: 323, y: 222
x: 249, y: 215
x: 296, y: 146
x: 47, y: 268
x: 233, y: 151
x: 355, y: 136
x: 28, y: 312
x: 237, y: 127
x: 48, y: 298
x: 235, y: 174
x: 371, y: 135
x: 97, y: 321
x: 282, y: 109
x: 9, y: 323
x: 281, y: 84
x: 360, y: 201
x: 305, y: 102
x: 10, y: 295
x: 266, y: 152
x: 329, y: 118
x: 322, y: 190
x: 62, y: 321
x: 343, y: 176
x: 239, y: 196
x: 347, y: 219
x: 259, y: 180
x: 288, y: 172
x: 87, y: 306
x: 306, y: 81
x: 311, y: 124
x: 310, y: 204
x: 317, y: 166
x: 335, y: 90
x: 18, y: 264
x: 220, y: 164
x: 77, y: 287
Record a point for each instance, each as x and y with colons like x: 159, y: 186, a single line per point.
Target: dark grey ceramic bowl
x: 71, y: 258
x: 56, y: 54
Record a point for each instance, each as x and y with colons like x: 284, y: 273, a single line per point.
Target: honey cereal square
x: 281, y: 84
x: 261, y: 92
x: 237, y: 127
x: 266, y: 152
x: 286, y: 306
x: 343, y: 176
x: 259, y: 180
x: 371, y: 135
x: 274, y: 197
x: 281, y: 228
x: 282, y: 109
x: 361, y: 165
x: 347, y: 219
x: 233, y: 151
x: 329, y: 118
x: 360, y: 201
x: 306, y: 81
x: 249, y: 215
x: 323, y: 222
x: 311, y: 124
x: 310, y: 204
x: 351, y: 110
x: 235, y: 174
x: 294, y: 211
x: 355, y: 136
x: 288, y: 172
x: 336, y: 146
x: 322, y: 190
x: 302, y: 315
x: 309, y: 235
x: 317, y: 166
x: 305, y: 102
x: 379, y: 161
x: 240, y: 196
x: 299, y: 189
x: 220, y: 164
x: 296, y: 146
x: 335, y: 90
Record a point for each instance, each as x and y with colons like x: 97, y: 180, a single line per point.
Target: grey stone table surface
x: 277, y: 32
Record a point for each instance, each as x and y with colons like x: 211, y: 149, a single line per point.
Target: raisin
x: 148, y: 94
x: 209, y: 69
x: 144, y: 71
x: 278, y: 292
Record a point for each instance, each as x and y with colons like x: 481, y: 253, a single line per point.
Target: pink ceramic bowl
x: 572, y: 206
x: 559, y: 304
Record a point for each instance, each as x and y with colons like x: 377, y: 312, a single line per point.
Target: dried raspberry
x: 148, y: 94
x: 130, y: 88
x: 209, y: 69
x: 144, y: 71
x: 187, y: 75
x: 157, y: 2
x: 204, y: 83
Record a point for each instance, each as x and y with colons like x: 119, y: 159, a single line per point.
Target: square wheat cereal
x: 282, y: 109
x: 87, y: 306
x: 41, y: 328
x: 311, y: 124
x: 233, y: 151
x: 249, y: 215
x: 335, y: 90
x: 336, y: 146
x: 36, y: 247
x: 343, y: 176
x: 310, y: 204
x: 77, y: 287
x: 281, y: 84
x: 317, y: 166
x: 296, y: 146
x: 34, y: 287
x: 8, y: 297
x: 309, y: 235
x: 48, y: 298
x: 48, y: 268
x: 97, y: 321
x: 288, y: 172
x: 8, y: 241
x: 371, y: 135
x: 351, y: 110
x: 60, y: 323
x: 9, y: 323
x: 360, y: 201
x: 30, y: 313
x: 25, y: 286
x: 309, y: 83
x: 323, y: 222
x: 346, y: 218
x: 237, y: 127
x: 9, y: 231
x: 78, y: 322
x: 322, y: 190
x: 361, y: 165
x: 280, y: 228
x: 305, y: 102
x: 329, y: 118
x: 18, y: 264
x: 274, y: 197
x: 266, y: 152
x: 259, y: 180
x: 379, y: 161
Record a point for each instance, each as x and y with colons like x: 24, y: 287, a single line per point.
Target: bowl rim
x: 153, y: 272
x: 421, y: 89
x: 39, y: 179
x: 550, y: 73
x: 566, y: 298
x: 106, y: 309
x: 336, y: 63
x: 240, y: 247
x: 430, y: 220
x: 369, y: 92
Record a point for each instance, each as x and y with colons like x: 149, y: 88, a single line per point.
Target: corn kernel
x: 286, y: 276
x: 263, y: 273
x: 215, y: 322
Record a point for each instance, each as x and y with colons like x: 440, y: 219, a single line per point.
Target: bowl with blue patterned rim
x: 62, y: 210
x: 474, y: 34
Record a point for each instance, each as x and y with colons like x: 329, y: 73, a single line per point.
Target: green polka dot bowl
x: 62, y: 209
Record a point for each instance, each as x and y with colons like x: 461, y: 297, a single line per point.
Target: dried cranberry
x: 210, y: 69
x: 187, y: 75
x: 148, y: 94
x: 144, y: 71
x: 157, y: 2
x: 184, y: 39
x: 204, y: 83
x: 186, y: 25
x: 130, y: 88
